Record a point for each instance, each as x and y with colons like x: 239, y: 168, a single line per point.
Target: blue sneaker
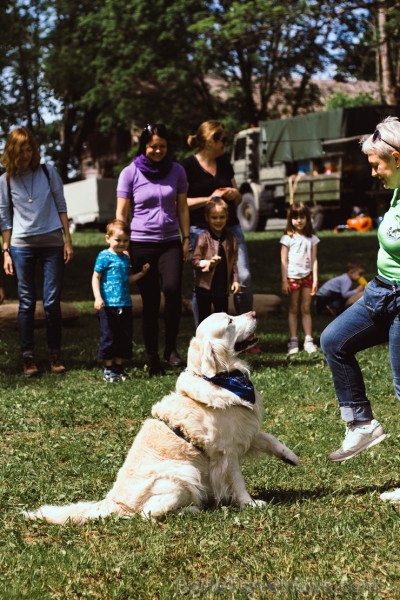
x: 110, y: 376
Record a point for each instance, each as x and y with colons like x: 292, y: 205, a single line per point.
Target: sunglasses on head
x: 377, y: 137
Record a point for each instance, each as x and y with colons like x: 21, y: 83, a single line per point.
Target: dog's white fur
x: 164, y: 472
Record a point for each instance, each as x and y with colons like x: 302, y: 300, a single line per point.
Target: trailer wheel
x: 248, y: 215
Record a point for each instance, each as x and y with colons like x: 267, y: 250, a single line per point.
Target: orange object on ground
x: 360, y: 223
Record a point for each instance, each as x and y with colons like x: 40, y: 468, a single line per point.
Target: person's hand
x: 216, y: 194
x: 230, y: 194
x: 145, y: 268
x: 98, y: 303
x: 2, y: 294
x: 68, y: 251
x: 215, y: 260
x: 185, y: 250
x: 285, y: 288
x: 314, y: 288
x: 8, y: 264
x: 235, y: 287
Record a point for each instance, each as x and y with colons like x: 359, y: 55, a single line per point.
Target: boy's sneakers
x: 309, y: 345
x: 123, y: 375
x: 56, y: 365
x: 110, y: 376
x: 30, y: 367
x: 357, y: 439
x: 293, y: 346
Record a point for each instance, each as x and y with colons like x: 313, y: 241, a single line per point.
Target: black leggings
x: 165, y: 275
x: 206, y: 300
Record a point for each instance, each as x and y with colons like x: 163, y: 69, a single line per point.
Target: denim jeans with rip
x: 352, y: 331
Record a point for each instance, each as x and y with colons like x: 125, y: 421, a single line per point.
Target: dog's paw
x: 254, y: 503
x: 258, y: 503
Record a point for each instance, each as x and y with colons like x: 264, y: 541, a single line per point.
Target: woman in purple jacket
x: 153, y: 189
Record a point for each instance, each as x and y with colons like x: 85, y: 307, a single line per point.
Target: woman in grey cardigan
x: 34, y: 227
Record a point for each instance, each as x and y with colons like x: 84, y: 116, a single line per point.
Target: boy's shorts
x: 296, y: 284
x: 116, y: 325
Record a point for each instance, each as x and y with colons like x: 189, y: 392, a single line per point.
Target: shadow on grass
x: 296, y: 495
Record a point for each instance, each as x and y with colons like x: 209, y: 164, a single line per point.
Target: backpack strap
x: 46, y: 171
x: 8, y: 178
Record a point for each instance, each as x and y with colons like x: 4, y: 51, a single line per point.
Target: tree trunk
x: 385, y: 59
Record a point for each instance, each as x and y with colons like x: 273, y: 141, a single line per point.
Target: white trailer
x: 91, y: 202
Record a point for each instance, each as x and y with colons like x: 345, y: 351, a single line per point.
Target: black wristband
x: 6, y: 250
x: 186, y: 237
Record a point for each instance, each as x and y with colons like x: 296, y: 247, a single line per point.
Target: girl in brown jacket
x: 215, y: 261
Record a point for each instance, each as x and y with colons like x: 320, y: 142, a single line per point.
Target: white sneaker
x: 293, y: 346
x: 393, y: 497
x: 309, y: 346
x: 357, y: 439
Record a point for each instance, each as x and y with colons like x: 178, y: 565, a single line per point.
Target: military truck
x: 314, y: 158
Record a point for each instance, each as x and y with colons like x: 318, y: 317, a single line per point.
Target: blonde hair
x: 117, y: 225
x: 220, y: 203
x: 205, y: 133
x: 301, y: 209
x: 12, y: 151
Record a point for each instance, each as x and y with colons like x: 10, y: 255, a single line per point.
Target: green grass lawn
x: 324, y: 532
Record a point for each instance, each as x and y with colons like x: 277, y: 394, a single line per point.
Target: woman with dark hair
x: 34, y: 226
x: 153, y: 189
x: 210, y: 174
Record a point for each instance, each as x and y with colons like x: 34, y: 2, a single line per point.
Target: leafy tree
x: 85, y: 73
x: 368, y: 47
x: 342, y: 100
x: 24, y: 95
x: 264, y: 49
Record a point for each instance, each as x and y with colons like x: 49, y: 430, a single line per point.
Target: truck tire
x: 248, y: 215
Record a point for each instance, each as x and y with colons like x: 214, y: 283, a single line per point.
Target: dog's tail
x: 265, y: 443
x: 80, y: 512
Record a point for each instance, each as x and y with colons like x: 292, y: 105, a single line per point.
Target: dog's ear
x: 208, y: 364
x: 201, y: 357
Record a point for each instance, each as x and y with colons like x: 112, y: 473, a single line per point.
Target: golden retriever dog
x: 187, y: 455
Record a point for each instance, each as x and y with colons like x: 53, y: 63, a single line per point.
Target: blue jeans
x: 352, y: 331
x: 243, y: 301
x: 51, y: 260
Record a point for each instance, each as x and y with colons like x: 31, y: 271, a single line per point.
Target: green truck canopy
x: 303, y: 137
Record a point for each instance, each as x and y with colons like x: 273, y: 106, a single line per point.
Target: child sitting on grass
x: 215, y: 261
x: 110, y: 284
x: 333, y: 295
